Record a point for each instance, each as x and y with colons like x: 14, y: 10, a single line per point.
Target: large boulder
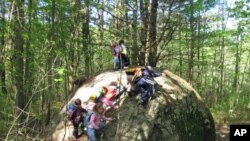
x: 177, y: 114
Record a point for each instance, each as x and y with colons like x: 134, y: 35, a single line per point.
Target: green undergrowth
x: 233, y: 109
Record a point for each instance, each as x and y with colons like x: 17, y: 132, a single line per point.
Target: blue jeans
x: 92, y: 132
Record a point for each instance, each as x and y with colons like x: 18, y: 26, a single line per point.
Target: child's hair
x: 113, y: 83
x: 78, y: 101
x: 97, y: 107
x: 121, y: 41
x: 114, y: 44
x: 104, y: 89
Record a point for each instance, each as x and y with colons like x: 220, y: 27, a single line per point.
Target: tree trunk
x: 85, y: 38
x: 199, y: 78
x: 134, y: 53
x: 50, y: 63
x: 117, y: 20
x: 237, y: 69
x: 18, y: 60
x: 191, y: 50
x: 180, y: 45
x: 29, y: 55
x: 245, y: 71
x: 144, y: 31
x: 222, y: 66
x: 214, y: 77
x: 152, y: 57
x: 3, y: 88
x: 101, y: 32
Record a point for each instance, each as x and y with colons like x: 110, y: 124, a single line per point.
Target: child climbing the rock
x: 142, y: 80
x: 75, y: 115
x: 101, y: 97
x: 114, y: 91
x: 98, y: 96
x: 107, y: 103
x: 96, y: 122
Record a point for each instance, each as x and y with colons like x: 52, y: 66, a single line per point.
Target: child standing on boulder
x: 124, y: 55
x: 115, y: 49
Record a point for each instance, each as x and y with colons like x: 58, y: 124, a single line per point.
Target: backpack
x: 70, y: 109
x: 87, y: 119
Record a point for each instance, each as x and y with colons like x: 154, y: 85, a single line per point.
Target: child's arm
x: 107, y: 118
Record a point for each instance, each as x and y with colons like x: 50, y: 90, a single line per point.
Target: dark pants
x: 125, y: 60
x: 75, y: 130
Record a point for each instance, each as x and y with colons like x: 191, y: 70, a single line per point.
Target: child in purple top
x: 96, y: 122
x: 77, y: 117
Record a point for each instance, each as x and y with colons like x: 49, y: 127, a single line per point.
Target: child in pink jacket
x: 96, y: 122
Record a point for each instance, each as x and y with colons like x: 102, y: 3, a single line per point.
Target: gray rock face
x: 178, y: 114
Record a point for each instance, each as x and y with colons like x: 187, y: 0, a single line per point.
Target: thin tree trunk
x: 152, y: 57
x: 18, y: 60
x: 101, y: 32
x: 191, y: 50
x: 134, y: 52
x: 222, y: 67
x: 117, y: 20
x: 214, y: 78
x: 2, y: 48
x: 29, y: 55
x: 199, y: 78
x: 50, y: 66
x: 222, y: 7
x: 144, y: 30
x: 180, y: 45
x: 244, y: 72
x: 237, y: 69
x: 85, y: 38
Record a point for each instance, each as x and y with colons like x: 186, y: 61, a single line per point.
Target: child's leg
x: 75, y: 130
x: 91, y: 134
x: 116, y: 63
x: 144, y: 96
x: 143, y: 87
